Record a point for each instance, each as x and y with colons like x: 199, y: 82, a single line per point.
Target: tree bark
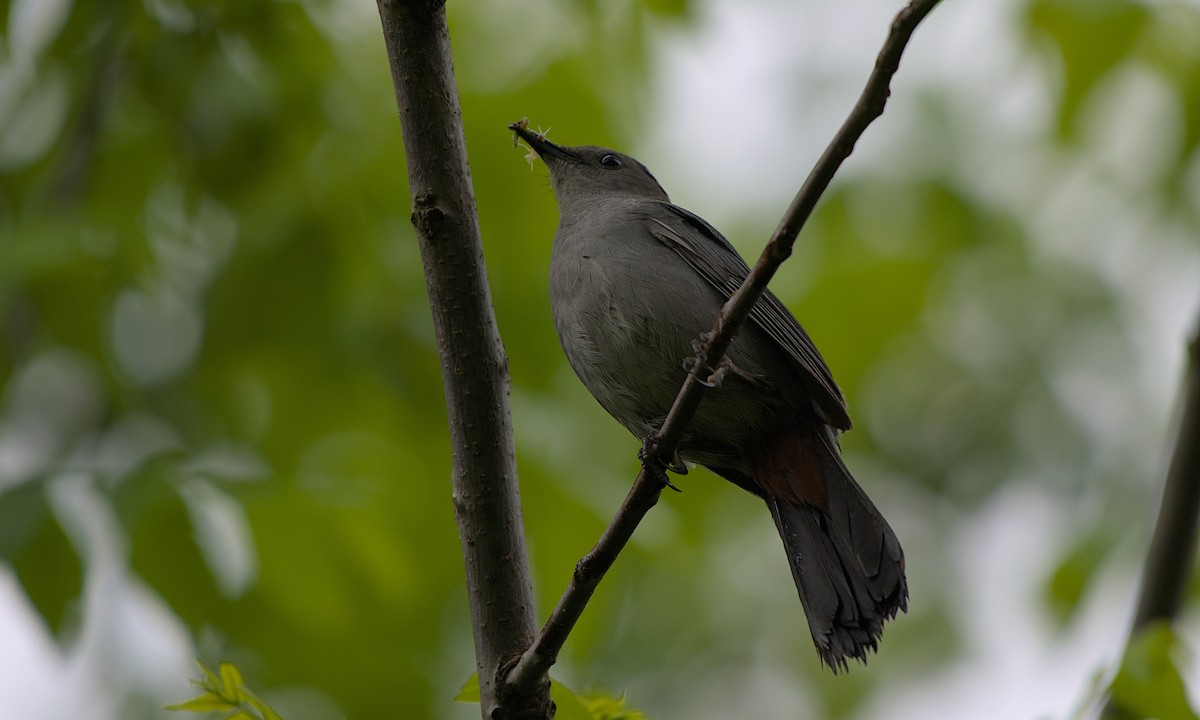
x: 474, y: 366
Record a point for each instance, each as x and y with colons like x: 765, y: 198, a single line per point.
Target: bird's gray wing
x: 711, y: 255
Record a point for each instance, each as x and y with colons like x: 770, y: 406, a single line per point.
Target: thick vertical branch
x: 474, y: 366
x: 1173, y: 547
x: 1172, y: 551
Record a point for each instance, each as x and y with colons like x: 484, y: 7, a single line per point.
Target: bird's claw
x: 699, y: 361
x: 657, y: 467
x: 718, y: 375
x: 724, y: 369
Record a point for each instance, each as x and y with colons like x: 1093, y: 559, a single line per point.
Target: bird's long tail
x: 846, y: 561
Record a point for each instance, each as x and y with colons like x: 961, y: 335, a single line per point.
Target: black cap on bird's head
x: 587, y: 172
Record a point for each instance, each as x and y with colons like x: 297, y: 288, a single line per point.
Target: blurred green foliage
x: 212, y: 316
x: 1094, y: 38
x: 1148, y: 684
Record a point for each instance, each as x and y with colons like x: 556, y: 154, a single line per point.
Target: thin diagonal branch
x: 474, y: 367
x: 536, y: 662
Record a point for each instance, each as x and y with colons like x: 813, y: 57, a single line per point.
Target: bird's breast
x: 614, y: 328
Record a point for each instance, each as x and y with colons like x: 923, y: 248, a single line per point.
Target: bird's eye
x: 611, y: 161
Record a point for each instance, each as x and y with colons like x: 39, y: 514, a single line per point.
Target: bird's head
x: 588, y: 173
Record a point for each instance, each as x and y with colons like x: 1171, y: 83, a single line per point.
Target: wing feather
x: 711, y: 255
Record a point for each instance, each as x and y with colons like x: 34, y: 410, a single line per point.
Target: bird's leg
x: 725, y: 368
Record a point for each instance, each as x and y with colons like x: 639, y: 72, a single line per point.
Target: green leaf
x: 204, y: 703
x: 470, y: 690
x: 593, y: 706
x: 570, y: 706
x: 231, y: 682
x: 23, y: 510
x: 224, y: 693
x: 1070, y: 580
x: 610, y: 708
x: 266, y: 712
x: 1148, y: 684
x: 210, y: 678
x: 37, y: 547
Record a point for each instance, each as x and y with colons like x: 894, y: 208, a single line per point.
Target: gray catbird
x: 634, y: 281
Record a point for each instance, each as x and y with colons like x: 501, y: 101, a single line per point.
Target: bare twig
x: 474, y: 366
x: 536, y: 661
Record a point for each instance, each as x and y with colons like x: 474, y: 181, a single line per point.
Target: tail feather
x: 846, y: 561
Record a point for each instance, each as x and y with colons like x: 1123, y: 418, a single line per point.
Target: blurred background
x: 222, y: 433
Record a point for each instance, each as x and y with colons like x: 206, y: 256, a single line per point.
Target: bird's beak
x: 539, y: 143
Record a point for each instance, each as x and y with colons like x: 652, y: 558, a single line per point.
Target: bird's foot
x: 657, y: 468
x: 715, y: 376
x: 718, y: 376
x: 724, y: 369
